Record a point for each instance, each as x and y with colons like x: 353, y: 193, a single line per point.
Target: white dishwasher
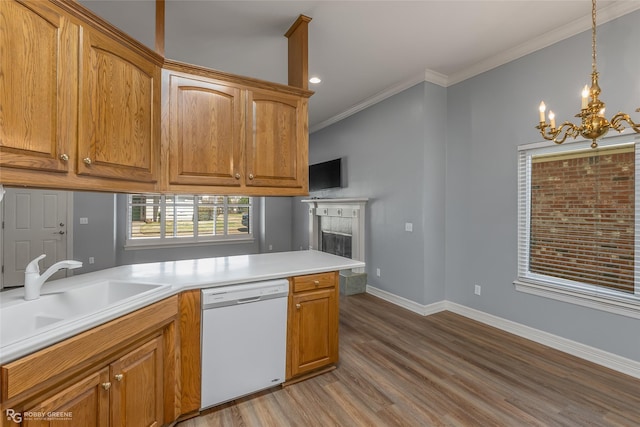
x: 244, y: 339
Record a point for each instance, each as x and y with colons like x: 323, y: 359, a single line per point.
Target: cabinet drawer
x: 314, y: 281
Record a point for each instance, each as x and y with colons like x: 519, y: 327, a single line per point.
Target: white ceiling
x: 362, y: 50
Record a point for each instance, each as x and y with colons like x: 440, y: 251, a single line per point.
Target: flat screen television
x: 325, y: 175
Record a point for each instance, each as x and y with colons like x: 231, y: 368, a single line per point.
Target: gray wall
x: 276, y: 224
x: 96, y: 238
x: 104, y: 236
x: 455, y: 178
x: 488, y: 117
x: 395, y: 155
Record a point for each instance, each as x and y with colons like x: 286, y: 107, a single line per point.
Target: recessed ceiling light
x: 315, y: 80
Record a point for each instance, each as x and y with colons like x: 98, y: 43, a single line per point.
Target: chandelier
x: 594, y: 124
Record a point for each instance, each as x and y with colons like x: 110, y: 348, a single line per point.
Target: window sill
x: 609, y: 303
x: 179, y: 243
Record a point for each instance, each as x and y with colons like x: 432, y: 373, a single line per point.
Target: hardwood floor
x: 401, y: 369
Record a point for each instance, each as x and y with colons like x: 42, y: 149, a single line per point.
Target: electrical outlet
x: 378, y: 272
x: 477, y: 290
x: 91, y: 260
x: 408, y: 226
x: 270, y: 247
x: 84, y: 220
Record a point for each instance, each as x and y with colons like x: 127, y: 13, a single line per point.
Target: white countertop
x: 177, y: 276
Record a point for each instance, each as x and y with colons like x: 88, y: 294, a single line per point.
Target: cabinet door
x: 137, y: 387
x: 38, y: 86
x: 278, y: 144
x: 119, y: 111
x: 85, y: 403
x: 314, y: 330
x: 205, y: 133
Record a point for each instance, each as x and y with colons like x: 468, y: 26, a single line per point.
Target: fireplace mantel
x: 349, y: 209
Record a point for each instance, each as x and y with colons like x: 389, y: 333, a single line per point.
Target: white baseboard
x: 423, y: 310
x: 592, y: 354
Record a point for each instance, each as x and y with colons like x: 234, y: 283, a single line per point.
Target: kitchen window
x: 159, y: 220
x: 578, y: 223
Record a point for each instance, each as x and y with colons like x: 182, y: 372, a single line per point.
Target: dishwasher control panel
x: 244, y: 293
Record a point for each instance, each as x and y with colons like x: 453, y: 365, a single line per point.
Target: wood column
x: 298, y: 36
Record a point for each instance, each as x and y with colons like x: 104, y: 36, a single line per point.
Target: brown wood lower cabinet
x: 122, y: 373
x: 137, y: 386
x: 313, y: 323
x: 128, y: 392
x: 84, y: 403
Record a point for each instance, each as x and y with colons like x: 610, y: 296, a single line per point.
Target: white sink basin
x: 21, y: 319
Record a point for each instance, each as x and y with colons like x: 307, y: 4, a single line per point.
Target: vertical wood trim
x: 171, y: 353
x: 298, y: 36
x: 160, y: 27
x: 190, y: 372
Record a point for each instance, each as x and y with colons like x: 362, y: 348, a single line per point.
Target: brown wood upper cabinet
x: 80, y: 101
x: 239, y: 135
x: 119, y: 109
x: 38, y: 93
x: 277, y: 144
x: 206, y: 131
x: 84, y: 106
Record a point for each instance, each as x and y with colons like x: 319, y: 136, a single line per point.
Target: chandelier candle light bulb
x: 594, y: 124
x: 585, y: 97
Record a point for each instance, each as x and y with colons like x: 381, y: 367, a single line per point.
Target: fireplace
x: 336, y: 243
x: 337, y: 226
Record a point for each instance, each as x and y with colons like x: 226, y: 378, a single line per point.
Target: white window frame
x: 597, y: 297
x: 163, y: 241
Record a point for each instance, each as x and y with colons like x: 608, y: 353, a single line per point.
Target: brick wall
x: 582, y: 217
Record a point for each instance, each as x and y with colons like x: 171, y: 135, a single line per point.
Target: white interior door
x: 35, y: 222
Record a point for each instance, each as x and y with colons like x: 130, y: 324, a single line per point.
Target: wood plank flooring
x: 401, y: 369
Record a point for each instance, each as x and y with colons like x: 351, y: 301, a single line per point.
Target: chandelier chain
x: 593, y: 36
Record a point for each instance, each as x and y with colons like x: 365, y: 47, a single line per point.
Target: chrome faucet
x: 33, y: 281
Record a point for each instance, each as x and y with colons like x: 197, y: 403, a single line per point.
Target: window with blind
x: 578, y: 224
x: 159, y: 220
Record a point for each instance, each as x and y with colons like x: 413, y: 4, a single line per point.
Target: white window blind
x: 578, y: 221
x: 157, y: 220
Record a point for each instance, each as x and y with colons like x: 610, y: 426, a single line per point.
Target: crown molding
x: 605, y: 14
x: 368, y: 102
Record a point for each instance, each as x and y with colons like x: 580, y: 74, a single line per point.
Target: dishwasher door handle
x: 247, y: 300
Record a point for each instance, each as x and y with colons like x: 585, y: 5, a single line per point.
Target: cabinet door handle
x: 106, y: 386
x: 87, y: 160
x: 119, y: 377
x: 64, y: 157
x: 237, y: 175
x: 251, y: 176
x: 316, y: 282
x: 298, y: 306
x: 59, y: 232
